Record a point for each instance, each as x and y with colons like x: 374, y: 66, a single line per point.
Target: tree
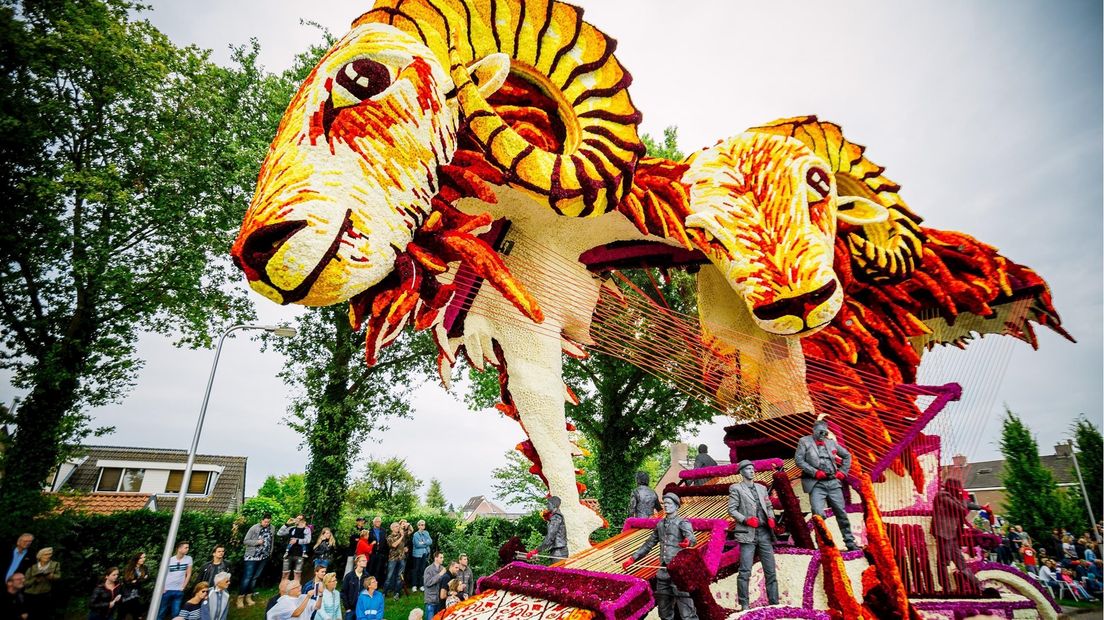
x: 127, y: 161
x: 435, y: 498
x: 1090, y: 458
x: 386, y: 487
x: 1033, y: 498
x: 288, y: 491
x: 337, y: 399
x: 513, y: 483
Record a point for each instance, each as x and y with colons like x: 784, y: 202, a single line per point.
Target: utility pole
x: 1084, y: 493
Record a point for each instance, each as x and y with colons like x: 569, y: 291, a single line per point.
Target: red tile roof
x: 104, y: 503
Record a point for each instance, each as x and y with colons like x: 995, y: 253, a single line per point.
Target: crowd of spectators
x: 399, y: 558
x: 1071, y: 567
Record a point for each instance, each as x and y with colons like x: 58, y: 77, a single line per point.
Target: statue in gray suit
x: 824, y: 464
x: 673, y: 534
x: 644, y: 501
x: 750, y: 506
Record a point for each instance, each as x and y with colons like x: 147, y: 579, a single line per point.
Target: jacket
x: 668, y: 533
x: 466, y: 577
x: 217, y: 605
x: 742, y: 501
x: 6, y: 558
x: 99, y: 606
x: 809, y: 461
x: 258, y: 547
x: 209, y: 570
x: 350, y: 588
x: 370, y: 606
x: 643, y: 503
x: 423, y: 542
x: 430, y: 578
x: 396, y: 543
x: 556, y: 535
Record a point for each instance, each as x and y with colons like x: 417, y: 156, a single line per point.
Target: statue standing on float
x: 824, y: 464
x: 750, y: 506
x: 673, y: 534
x: 554, y: 544
x: 644, y: 501
x: 949, y: 510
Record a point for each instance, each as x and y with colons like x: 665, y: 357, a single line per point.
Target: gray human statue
x: 750, y: 506
x: 644, y: 501
x: 555, y: 537
x: 703, y: 460
x: 673, y: 534
x: 824, y: 464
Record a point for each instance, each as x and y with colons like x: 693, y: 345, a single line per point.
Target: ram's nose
x: 252, y: 254
x: 798, y: 305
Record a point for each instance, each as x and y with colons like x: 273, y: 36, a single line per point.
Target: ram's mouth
x: 254, y: 255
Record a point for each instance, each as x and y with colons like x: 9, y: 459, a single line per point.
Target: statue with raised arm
x: 750, y: 506
x: 673, y: 534
x: 949, y: 509
x: 644, y: 501
x: 824, y: 465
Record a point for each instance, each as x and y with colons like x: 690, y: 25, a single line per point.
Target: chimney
x: 679, y: 453
x: 959, y: 460
x: 1063, y: 450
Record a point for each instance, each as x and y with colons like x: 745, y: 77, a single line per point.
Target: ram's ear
x: 489, y: 73
x: 860, y: 211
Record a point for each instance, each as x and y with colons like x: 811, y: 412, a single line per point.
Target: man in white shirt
x: 217, y: 605
x: 179, y: 574
x: 1048, y: 576
x: 291, y: 604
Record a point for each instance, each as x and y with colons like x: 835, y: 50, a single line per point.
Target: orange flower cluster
x: 883, y: 573
x: 837, y: 585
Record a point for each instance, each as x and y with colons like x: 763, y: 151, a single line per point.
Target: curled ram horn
x: 599, y: 154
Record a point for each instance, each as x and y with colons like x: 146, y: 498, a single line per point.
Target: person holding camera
x: 396, y: 556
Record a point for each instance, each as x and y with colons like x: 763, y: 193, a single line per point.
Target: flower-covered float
x: 474, y: 168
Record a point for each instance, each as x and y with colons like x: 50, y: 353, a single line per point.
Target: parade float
x: 474, y: 168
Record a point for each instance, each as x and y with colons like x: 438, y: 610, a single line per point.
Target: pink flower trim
x: 713, y: 551
x: 718, y: 471
x: 785, y: 613
x: 614, y: 597
x: 943, y: 395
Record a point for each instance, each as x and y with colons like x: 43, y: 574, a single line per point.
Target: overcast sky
x: 987, y: 113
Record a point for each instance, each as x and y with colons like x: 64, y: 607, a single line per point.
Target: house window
x: 115, y: 479
x: 197, y: 485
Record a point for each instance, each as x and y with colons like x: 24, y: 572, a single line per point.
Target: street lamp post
x: 174, y: 525
x: 1084, y: 493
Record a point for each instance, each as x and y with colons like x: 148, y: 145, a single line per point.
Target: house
x: 112, y: 478
x: 480, y: 506
x: 984, y: 479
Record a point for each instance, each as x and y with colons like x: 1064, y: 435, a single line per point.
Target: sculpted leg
x: 535, y: 368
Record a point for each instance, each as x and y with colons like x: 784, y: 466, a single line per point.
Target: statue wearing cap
x: 750, y: 506
x: 644, y: 501
x: 824, y: 465
x: 673, y: 534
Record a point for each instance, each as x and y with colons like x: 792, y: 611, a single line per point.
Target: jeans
x: 430, y: 610
x: 250, y: 572
x: 394, y: 576
x: 419, y: 572
x: 171, y: 601
x: 830, y: 492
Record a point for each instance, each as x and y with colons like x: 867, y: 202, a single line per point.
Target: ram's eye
x: 358, y: 80
x: 819, y: 182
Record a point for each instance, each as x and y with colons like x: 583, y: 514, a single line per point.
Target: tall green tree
x: 513, y: 483
x: 1033, y: 498
x: 337, y: 401
x: 127, y: 164
x: 386, y: 487
x: 435, y: 497
x: 1090, y: 458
